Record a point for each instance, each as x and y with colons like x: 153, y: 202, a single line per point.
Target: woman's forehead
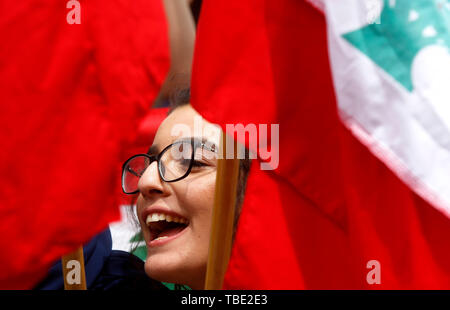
x: 184, y: 114
x: 185, y: 122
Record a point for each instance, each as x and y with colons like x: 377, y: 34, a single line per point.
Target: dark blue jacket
x: 106, y: 269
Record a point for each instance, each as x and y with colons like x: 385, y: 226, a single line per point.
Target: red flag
x: 331, y: 215
x: 145, y: 134
x: 72, y: 96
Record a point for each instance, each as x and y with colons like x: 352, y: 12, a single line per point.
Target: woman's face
x: 176, y: 217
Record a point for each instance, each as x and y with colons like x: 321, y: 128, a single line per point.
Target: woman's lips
x: 163, y: 226
x: 166, y: 237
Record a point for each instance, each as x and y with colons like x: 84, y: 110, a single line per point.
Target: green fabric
x: 405, y: 27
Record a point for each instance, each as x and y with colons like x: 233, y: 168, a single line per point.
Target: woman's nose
x: 150, y: 182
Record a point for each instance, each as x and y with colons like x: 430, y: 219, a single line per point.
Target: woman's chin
x: 171, y: 275
x: 161, y: 272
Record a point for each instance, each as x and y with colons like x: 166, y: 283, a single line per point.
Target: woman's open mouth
x: 164, y: 227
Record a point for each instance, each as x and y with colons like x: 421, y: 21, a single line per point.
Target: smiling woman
x: 175, y: 183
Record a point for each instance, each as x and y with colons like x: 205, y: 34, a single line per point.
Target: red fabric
x: 148, y: 128
x: 330, y: 206
x: 146, y: 132
x: 71, y: 97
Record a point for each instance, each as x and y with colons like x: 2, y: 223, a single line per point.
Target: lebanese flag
x: 71, y: 96
x: 360, y: 197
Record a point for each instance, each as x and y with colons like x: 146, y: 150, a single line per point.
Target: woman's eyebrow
x: 199, y: 141
x: 153, y: 149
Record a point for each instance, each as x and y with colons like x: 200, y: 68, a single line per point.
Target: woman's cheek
x: 209, y: 200
x: 210, y: 184
x: 201, y: 200
x: 208, y: 191
x: 139, y: 207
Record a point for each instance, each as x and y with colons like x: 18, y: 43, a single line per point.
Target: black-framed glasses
x: 175, y: 162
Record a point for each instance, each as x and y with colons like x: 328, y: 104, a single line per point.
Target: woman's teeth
x: 156, y: 217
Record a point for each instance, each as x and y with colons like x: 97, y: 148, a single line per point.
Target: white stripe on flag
x: 408, y: 129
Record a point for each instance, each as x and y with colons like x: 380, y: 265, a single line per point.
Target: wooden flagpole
x: 73, y: 270
x: 222, y: 217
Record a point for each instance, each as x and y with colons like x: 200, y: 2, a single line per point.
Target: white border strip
x: 318, y: 4
x: 395, y: 164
